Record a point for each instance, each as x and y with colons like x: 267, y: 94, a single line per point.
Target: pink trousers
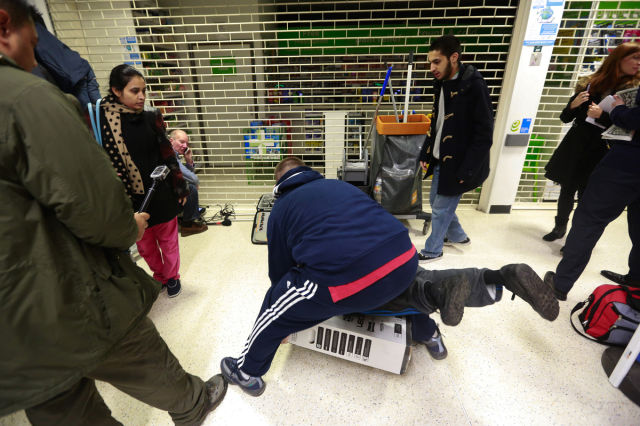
x: 159, y: 248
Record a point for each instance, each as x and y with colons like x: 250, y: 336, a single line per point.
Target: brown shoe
x: 216, y: 388
x: 194, y: 227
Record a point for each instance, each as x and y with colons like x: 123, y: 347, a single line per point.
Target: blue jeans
x: 444, y: 222
x: 190, y: 212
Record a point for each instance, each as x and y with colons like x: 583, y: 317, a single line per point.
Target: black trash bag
x: 394, y: 160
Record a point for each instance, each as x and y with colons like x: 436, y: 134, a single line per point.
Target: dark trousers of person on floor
x: 140, y: 365
x: 613, y: 186
x: 415, y: 298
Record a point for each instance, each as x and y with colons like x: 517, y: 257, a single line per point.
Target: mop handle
x: 393, y: 99
x: 408, y: 89
x: 384, y: 85
x: 375, y: 114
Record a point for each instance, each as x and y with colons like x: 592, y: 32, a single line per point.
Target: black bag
x: 611, y: 316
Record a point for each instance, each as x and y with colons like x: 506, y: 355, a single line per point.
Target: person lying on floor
x: 333, y: 250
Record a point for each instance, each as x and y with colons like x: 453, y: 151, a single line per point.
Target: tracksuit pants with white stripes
x: 297, y: 303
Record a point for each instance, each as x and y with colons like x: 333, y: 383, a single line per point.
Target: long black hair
x: 121, y: 76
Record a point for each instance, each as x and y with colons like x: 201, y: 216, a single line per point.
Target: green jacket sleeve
x: 64, y: 169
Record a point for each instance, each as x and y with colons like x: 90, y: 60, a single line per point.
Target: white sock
x: 491, y: 289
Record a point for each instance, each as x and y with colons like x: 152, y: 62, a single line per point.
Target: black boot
x: 523, y: 282
x: 558, y: 231
x: 450, y: 296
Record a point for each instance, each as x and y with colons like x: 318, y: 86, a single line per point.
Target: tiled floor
x: 506, y: 365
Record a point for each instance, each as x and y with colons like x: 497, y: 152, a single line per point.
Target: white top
x: 440, y: 122
x: 439, y: 125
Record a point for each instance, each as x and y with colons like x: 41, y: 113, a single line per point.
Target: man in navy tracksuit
x: 334, y: 251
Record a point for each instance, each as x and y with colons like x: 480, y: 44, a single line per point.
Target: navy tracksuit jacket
x: 332, y: 251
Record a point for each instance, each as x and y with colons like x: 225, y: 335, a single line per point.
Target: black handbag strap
x: 586, y: 336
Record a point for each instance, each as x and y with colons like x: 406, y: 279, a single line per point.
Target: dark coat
x: 71, y: 72
x: 581, y: 149
x: 467, y: 132
x: 68, y: 293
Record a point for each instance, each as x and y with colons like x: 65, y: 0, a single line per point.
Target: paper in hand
x: 606, y: 106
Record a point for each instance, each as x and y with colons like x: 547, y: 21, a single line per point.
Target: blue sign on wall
x: 526, y: 125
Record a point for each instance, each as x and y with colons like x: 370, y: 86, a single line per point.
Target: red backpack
x: 611, y: 316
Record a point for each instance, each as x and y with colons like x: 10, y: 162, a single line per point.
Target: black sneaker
x: 436, y: 346
x: 523, y: 282
x: 620, y: 279
x: 464, y: 242
x: 173, y: 287
x: 450, y: 296
x: 426, y: 258
x: 549, y: 281
x: 254, y: 386
x: 216, y: 388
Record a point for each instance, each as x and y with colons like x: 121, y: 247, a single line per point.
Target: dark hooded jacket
x: 70, y: 71
x: 467, y: 132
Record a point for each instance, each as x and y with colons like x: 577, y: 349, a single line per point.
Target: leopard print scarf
x: 117, y: 149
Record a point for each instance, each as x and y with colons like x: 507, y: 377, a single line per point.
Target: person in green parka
x: 73, y: 305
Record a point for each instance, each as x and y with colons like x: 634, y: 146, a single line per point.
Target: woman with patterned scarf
x: 136, y: 143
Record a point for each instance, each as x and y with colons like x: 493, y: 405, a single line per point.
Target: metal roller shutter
x: 250, y: 81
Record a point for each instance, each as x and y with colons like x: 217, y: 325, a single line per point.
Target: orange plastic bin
x: 417, y: 124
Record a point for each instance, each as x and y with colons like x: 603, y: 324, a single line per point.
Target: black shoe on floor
x: 620, y: 279
x: 216, y: 388
x: 549, y: 281
x: 435, y: 346
x: 555, y: 234
x: 523, y: 282
x: 450, y: 296
x: 173, y: 287
x: 426, y: 258
x: 464, y: 242
x: 558, y: 231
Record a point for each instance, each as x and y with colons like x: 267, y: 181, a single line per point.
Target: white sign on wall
x: 544, y: 22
